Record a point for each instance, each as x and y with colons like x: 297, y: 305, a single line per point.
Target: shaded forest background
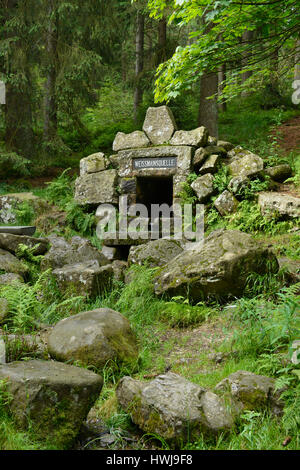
x: 78, y: 72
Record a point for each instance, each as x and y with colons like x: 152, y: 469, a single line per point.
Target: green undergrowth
x: 34, y: 303
x: 258, y: 335
x: 248, y: 218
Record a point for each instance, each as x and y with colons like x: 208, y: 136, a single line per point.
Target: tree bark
x: 208, y: 109
x: 19, y: 135
x: 139, y: 62
x: 247, y: 38
x: 297, y: 61
x: 222, y: 106
x: 50, y: 106
x: 162, y: 41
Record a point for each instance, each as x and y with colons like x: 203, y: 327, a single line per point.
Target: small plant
x: 25, y: 213
x: 265, y: 284
x: 81, y: 221
x: 249, y: 219
x: 12, y: 164
x: 60, y: 191
x: 187, y: 194
x: 222, y: 179
x: 268, y: 326
x: 5, y: 396
x: 29, y: 305
x: 181, y: 314
x: 250, y: 190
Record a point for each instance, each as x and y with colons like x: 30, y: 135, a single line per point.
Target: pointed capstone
x: 159, y: 125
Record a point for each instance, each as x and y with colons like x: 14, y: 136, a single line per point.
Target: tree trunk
x: 208, y: 109
x: 139, y: 62
x: 247, y: 38
x: 50, y: 110
x: 222, y: 106
x: 297, y: 61
x: 124, y: 63
x: 19, y: 135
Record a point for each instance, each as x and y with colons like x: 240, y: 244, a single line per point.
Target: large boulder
x: 200, y: 156
x: 174, y: 408
x: 218, y: 268
x: 53, y: 398
x: 10, y: 278
x: 87, y: 278
x: 226, y: 145
x: 279, y: 173
x: 226, y: 203
x: 78, y: 250
x: 97, y: 188
x: 93, y: 164
x: 137, y: 139
x: 10, y: 264
x: 252, y: 392
x: 11, y: 243
x: 195, y: 138
x: 155, y: 253
x: 204, y: 187
x: 94, y: 338
x: 244, y: 163
x: 28, y: 345
x: 10, y: 203
x: 159, y: 125
x: 203, y: 153
x: 290, y: 268
x: 119, y: 269
x: 211, y: 165
x: 238, y: 184
x: 280, y: 204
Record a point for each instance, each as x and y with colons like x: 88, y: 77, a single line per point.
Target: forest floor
x: 289, y: 135
x: 205, y: 349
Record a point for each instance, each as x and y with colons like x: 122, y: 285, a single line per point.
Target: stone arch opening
x: 154, y: 190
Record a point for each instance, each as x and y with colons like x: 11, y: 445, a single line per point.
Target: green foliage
x: 249, y: 191
x: 5, y: 396
x: 264, y: 284
x: 245, y: 123
x: 249, y: 219
x: 221, y: 179
x: 179, y: 313
x: 138, y: 302
x: 187, y: 194
x: 30, y: 305
x: 60, y: 191
x: 209, y: 48
x: 32, y: 261
x: 25, y: 213
x: 18, y: 349
x: 81, y: 221
x: 12, y: 164
x: 267, y: 327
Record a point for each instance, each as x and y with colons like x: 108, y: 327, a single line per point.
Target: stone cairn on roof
x: 160, y: 149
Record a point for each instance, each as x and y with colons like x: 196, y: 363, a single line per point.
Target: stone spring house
x: 149, y: 166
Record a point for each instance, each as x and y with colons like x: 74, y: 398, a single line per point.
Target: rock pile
x: 176, y: 409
